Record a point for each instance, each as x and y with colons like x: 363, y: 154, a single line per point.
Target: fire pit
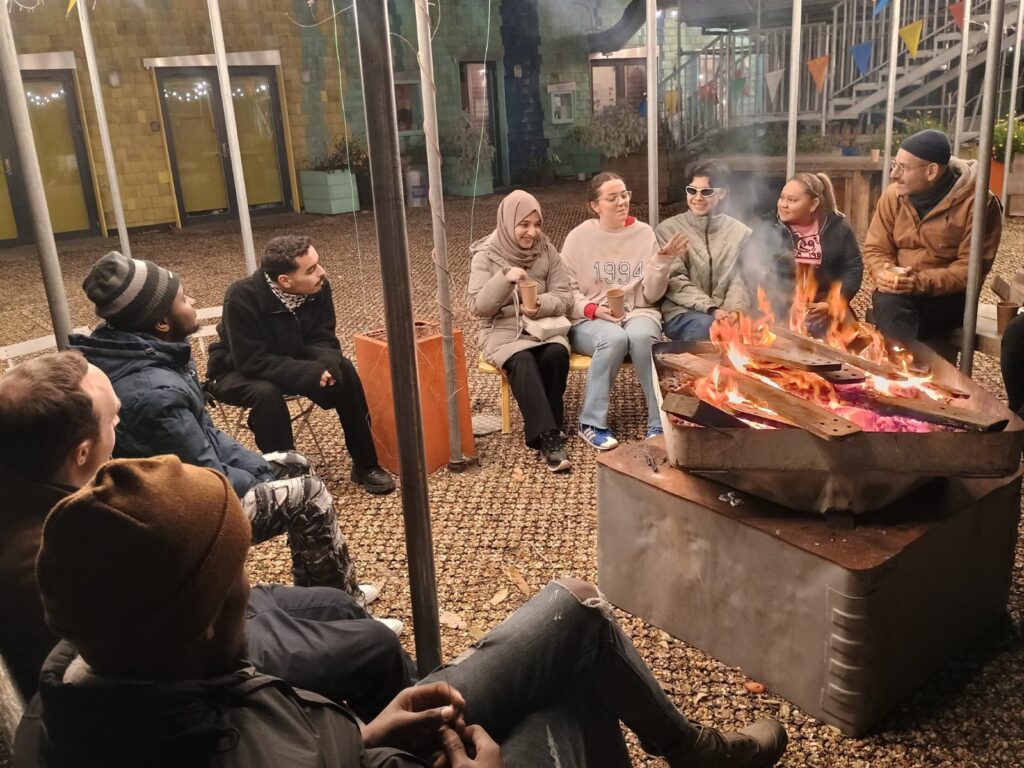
x: 817, y: 427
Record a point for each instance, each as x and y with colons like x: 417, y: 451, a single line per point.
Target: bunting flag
x: 772, y: 81
x: 737, y: 87
x: 957, y: 12
x: 71, y: 4
x: 708, y: 93
x: 862, y: 56
x: 818, y: 68
x: 911, y: 35
x: 880, y: 5
x: 671, y: 102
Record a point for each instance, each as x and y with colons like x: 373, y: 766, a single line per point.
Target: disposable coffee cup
x: 876, y: 155
x: 901, y: 271
x: 1005, y: 312
x: 528, y: 294
x: 616, y: 302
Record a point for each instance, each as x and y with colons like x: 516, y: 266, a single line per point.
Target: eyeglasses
x: 623, y: 195
x: 898, y: 169
x: 703, y: 191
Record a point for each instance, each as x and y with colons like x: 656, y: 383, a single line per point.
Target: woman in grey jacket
x: 514, y: 254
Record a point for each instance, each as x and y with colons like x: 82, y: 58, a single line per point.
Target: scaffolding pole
x: 101, y: 120
x: 794, y: 88
x: 224, y: 78
x: 961, y: 91
x: 1011, y: 118
x: 435, y: 197
x: 988, y: 121
x: 652, y: 112
x: 890, y: 101
x: 393, y: 244
x: 28, y: 162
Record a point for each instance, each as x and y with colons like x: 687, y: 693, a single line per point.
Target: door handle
x: 8, y: 171
x: 224, y: 149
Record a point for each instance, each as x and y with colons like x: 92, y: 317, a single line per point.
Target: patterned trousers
x: 298, y: 504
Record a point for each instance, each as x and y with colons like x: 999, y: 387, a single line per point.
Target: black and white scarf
x: 290, y: 300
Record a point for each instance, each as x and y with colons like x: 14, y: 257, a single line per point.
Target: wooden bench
x: 987, y: 338
x: 577, y: 362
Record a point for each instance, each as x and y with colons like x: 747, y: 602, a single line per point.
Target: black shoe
x: 553, y: 452
x: 375, y: 479
x: 759, y: 745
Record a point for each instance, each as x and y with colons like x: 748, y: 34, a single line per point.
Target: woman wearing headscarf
x: 517, y: 252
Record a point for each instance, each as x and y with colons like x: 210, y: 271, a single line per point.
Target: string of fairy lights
x: 42, y: 99
x: 201, y: 91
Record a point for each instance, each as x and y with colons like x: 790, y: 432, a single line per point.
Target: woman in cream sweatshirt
x: 615, y: 251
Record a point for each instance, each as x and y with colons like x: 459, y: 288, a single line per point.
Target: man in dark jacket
x: 278, y: 338
x: 143, y: 348
x: 57, y: 417
x: 150, y: 673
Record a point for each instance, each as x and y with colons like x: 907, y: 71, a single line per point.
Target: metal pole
x: 794, y: 88
x: 981, y: 193
x: 890, y: 102
x: 652, y: 112
x: 1011, y: 118
x: 241, y: 198
x: 436, y: 200
x: 101, y: 119
x: 961, y: 92
x: 392, y: 241
x: 25, y: 143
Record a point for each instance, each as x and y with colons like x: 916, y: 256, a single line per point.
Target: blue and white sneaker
x: 602, y: 439
x: 653, y: 432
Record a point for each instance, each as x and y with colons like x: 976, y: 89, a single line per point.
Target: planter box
x: 374, y: 362
x: 484, y: 185
x: 1015, y: 188
x: 329, y: 192
x: 587, y: 162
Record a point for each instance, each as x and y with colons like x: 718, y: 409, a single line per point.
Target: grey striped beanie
x: 130, y: 294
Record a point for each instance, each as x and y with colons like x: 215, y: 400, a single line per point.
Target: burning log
x: 886, y: 370
x: 782, y: 405
x: 796, y: 359
x: 933, y: 412
x: 694, y: 410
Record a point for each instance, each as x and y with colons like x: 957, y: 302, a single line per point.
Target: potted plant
x: 585, y: 159
x: 330, y: 184
x: 467, y: 159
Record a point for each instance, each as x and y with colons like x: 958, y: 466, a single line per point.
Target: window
x: 408, y: 105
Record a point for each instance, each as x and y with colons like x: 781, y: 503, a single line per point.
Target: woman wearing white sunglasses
x: 707, y: 281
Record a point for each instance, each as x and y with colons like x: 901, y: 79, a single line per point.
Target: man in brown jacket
x: 918, y: 245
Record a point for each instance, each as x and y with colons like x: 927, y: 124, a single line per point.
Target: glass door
x: 198, y: 146
x: 479, y: 98
x: 63, y: 162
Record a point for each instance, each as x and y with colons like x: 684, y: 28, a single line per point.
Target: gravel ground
x: 492, y: 526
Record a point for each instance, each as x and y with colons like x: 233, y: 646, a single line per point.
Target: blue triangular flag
x: 862, y: 56
x: 880, y: 5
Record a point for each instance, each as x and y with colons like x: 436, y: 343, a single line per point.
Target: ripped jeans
x: 298, y: 503
x: 551, y: 683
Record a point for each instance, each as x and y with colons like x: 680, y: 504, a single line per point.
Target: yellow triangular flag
x: 818, y: 68
x: 71, y: 4
x: 911, y: 35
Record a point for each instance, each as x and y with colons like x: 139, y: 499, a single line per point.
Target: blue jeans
x: 608, y: 344
x: 689, y: 326
x: 551, y: 683
x: 322, y: 640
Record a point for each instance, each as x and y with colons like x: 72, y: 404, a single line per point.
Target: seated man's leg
x: 349, y: 400
x: 565, y: 641
x: 896, y: 315
x: 303, y: 508
x: 1011, y: 360
x: 689, y: 326
x: 320, y: 639
x: 269, y: 420
x: 941, y: 313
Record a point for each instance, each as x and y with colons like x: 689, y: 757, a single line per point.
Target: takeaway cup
x: 528, y: 294
x: 616, y: 302
x: 1005, y: 312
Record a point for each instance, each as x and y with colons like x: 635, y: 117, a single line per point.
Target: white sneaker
x: 370, y: 593
x: 394, y: 625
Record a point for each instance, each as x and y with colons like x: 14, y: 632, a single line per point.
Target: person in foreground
x: 518, y: 252
x: 707, y: 280
x: 143, y: 348
x: 278, y: 337
x: 919, y: 242
x: 807, y: 242
x: 151, y: 670
x: 57, y: 417
x: 615, y: 251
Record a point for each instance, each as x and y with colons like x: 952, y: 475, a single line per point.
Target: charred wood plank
x: 696, y: 411
x: 888, y: 370
x: 794, y: 358
x: 934, y: 412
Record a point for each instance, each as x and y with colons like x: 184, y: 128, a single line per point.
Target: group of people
x: 704, y: 265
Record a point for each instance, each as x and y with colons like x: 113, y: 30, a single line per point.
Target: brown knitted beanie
x: 146, y: 552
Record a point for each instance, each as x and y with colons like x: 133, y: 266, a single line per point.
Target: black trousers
x: 319, y: 639
x: 907, y: 317
x: 537, y: 377
x: 1012, y: 363
x: 271, y: 423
